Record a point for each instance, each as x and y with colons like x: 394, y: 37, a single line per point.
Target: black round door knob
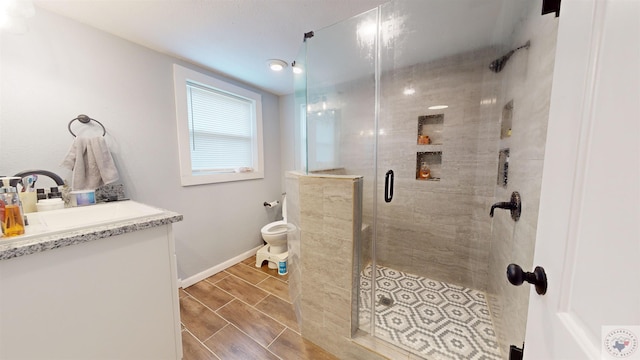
x: 538, y: 277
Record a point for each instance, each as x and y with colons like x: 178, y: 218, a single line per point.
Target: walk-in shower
x: 403, y: 98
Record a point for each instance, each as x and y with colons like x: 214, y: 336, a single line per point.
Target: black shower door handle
x: 388, y: 186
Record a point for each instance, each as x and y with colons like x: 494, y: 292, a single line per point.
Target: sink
x: 55, y: 221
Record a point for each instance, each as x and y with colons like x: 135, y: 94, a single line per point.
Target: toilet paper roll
x: 271, y: 204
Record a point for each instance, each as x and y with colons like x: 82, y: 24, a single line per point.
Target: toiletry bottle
x: 425, y: 172
x: 11, y: 212
x: 2, y: 208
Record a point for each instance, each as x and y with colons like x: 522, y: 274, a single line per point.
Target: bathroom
x: 61, y: 82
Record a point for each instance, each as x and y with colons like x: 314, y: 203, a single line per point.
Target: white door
x: 588, y: 237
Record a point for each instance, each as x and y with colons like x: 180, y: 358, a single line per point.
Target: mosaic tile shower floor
x: 429, y: 318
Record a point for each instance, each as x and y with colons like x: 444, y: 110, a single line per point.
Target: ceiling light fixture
x: 276, y: 64
x: 438, y: 107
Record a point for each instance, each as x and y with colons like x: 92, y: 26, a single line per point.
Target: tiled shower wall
x: 437, y: 229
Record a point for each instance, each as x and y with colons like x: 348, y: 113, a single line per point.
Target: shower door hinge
x: 549, y: 6
x: 307, y: 35
x: 516, y: 353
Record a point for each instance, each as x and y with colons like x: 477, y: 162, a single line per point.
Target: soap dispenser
x: 11, y: 213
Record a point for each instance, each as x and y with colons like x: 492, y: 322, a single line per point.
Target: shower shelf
x: 429, y: 148
x: 433, y: 161
x: 430, y: 129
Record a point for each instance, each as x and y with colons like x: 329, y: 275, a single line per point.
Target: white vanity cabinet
x: 113, y: 296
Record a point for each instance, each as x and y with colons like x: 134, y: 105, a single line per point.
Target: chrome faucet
x: 49, y: 174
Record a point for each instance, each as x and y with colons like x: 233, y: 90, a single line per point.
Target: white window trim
x: 180, y: 77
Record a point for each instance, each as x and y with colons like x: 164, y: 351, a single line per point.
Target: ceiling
x: 237, y: 37
x: 231, y: 37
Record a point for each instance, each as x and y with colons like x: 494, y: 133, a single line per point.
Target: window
x: 219, y: 129
x: 323, y: 137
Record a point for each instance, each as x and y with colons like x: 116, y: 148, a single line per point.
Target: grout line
x: 226, y: 292
x: 256, y: 309
x: 212, y: 335
x: 254, y: 285
x: 261, y: 300
x: 256, y: 341
x: 285, y: 300
x: 207, y: 306
x: 276, y: 338
x: 251, y: 306
x: 235, y: 297
x: 201, y: 342
x: 213, y: 283
x: 254, y: 270
x: 229, y: 323
x: 276, y: 320
x: 268, y: 315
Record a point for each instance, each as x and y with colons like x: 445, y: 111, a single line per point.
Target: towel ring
x: 85, y: 119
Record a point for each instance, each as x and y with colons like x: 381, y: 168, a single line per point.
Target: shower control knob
x: 514, y: 206
x: 538, y: 277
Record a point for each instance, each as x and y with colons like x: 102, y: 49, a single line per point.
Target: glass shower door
x: 444, y: 95
x: 432, y: 240
x: 341, y: 124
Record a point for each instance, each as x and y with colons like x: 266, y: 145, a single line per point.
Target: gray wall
x: 61, y: 68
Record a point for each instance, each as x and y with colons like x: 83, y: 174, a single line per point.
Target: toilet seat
x: 275, y: 228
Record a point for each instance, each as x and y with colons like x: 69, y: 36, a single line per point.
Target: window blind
x: 221, y: 130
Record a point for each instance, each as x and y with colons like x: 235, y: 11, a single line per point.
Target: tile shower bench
x: 92, y: 282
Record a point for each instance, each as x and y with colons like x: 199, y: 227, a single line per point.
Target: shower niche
x: 430, y: 129
x: 429, y: 156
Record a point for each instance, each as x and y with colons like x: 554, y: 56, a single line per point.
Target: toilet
x: 275, y: 235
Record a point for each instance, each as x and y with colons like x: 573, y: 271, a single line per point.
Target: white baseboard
x: 216, y: 269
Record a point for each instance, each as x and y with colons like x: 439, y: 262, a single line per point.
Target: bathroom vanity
x: 94, y: 282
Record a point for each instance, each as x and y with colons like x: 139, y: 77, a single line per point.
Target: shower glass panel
x: 300, y: 111
x: 433, y: 239
x: 340, y: 101
x: 433, y: 91
x: 341, y: 115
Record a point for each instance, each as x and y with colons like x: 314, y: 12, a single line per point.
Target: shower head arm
x: 525, y: 46
x: 498, y: 64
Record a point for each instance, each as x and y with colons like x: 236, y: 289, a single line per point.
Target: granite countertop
x: 15, y: 247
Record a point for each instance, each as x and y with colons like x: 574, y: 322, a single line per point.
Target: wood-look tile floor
x: 243, y: 313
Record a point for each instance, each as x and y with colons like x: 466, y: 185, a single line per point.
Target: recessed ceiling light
x: 276, y: 64
x: 438, y: 107
x: 409, y: 91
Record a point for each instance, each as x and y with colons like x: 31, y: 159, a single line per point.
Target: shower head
x: 498, y: 64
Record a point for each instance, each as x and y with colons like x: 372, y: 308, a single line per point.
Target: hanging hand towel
x: 91, y: 163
